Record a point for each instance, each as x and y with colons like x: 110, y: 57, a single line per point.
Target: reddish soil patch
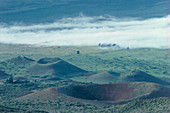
x: 110, y: 92
x: 47, y: 94
x: 100, y: 93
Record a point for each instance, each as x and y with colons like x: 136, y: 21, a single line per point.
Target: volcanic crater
x: 111, y: 92
x: 117, y: 93
x: 48, y: 60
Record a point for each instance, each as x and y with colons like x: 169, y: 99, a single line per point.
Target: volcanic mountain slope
x: 114, y: 93
x: 141, y: 76
x: 46, y: 94
x: 3, y: 75
x: 54, y: 66
x: 113, y: 77
x: 102, y: 78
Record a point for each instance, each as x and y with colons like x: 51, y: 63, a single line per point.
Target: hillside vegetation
x: 57, y: 79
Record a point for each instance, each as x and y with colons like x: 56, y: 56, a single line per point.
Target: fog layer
x: 85, y: 31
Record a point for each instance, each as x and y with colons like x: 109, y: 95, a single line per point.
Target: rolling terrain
x: 113, y: 77
x: 45, y: 67
x: 114, y: 93
x: 57, y: 79
x: 84, y: 56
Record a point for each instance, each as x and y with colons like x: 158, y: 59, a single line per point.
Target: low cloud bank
x: 84, y: 31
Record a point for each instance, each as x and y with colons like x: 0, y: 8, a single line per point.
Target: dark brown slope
x: 118, y: 92
x: 44, y: 95
x: 55, y: 66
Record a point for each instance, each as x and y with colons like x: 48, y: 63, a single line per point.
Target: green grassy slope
x: 113, y: 77
x: 152, y: 61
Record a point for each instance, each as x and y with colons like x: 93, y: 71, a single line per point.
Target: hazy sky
x: 84, y: 30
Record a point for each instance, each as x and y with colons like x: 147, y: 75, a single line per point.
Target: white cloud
x: 91, y: 31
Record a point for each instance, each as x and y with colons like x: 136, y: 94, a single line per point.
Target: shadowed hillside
x: 3, y: 75
x: 55, y: 66
x: 140, y: 76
